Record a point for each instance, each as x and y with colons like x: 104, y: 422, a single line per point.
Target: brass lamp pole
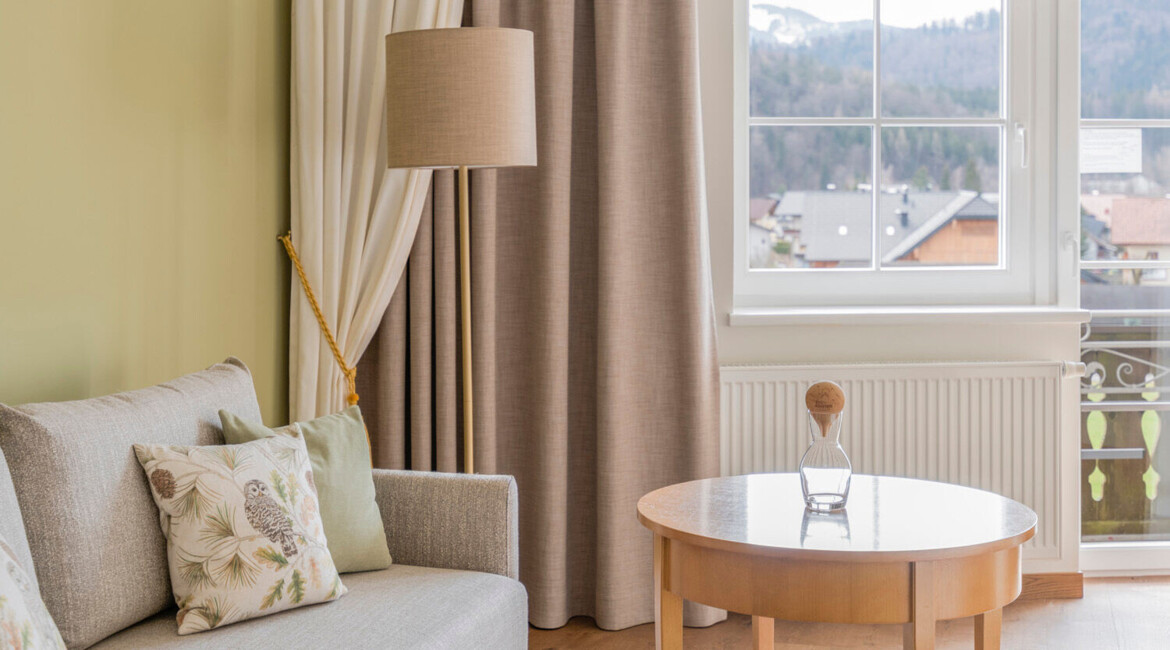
x: 461, y: 98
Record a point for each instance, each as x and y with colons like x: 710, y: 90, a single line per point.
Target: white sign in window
x: 1111, y: 151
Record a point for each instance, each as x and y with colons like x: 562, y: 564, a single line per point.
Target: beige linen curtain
x: 353, y: 221
x: 596, y: 377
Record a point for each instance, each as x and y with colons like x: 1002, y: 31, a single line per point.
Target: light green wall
x: 143, y: 182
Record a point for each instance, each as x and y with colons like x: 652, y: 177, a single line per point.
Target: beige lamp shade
x: 460, y: 97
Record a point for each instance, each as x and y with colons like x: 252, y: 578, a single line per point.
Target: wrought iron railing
x: 1125, y: 396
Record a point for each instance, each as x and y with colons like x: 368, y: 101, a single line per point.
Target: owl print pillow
x: 244, y: 536
x: 25, y: 624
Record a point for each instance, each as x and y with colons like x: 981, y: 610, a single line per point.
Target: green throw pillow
x: 340, y: 455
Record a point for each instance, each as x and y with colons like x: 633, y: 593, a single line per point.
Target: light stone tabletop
x: 885, y: 518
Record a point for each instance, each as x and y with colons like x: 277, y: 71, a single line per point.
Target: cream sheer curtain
x: 353, y: 221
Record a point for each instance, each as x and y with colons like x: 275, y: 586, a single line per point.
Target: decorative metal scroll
x: 1129, y: 378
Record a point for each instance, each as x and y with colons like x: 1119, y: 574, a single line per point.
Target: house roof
x: 979, y: 208
x: 760, y: 208
x: 1100, y: 205
x: 965, y: 205
x: 1093, y: 225
x: 791, y: 204
x: 1141, y: 221
x: 836, y: 225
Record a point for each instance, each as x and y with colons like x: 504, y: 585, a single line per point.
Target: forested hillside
x: 804, y: 67
x: 1125, y: 58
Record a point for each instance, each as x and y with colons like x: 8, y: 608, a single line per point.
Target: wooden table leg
x: 919, y: 632
x: 668, y: 606
x: 763, y: 633
x: 987, y: 630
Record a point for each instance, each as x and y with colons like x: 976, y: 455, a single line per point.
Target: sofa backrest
x: 93, y: 528
x: 11, y: 521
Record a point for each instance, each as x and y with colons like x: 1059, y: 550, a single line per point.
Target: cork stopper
x: 824, y: 399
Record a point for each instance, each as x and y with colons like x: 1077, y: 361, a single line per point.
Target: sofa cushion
x: 340, y: 453
x: 244, y: 534
x: 24, y: 621
x: 12, y: 524
x: 400, y: 607
x: 92, y: 525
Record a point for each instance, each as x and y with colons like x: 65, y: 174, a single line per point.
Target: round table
x: 902, y: 551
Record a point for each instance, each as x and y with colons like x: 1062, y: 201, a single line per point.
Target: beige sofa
x: 75, y: 507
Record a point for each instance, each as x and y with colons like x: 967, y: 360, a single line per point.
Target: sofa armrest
x: 450, y: 521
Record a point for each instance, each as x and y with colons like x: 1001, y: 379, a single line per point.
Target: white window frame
x: 1024, y: 274
x: 1097, y: 559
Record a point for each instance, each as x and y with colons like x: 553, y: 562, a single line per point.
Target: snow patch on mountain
x: 788, y: 26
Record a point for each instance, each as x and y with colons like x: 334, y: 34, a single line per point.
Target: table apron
x: 838, y: 592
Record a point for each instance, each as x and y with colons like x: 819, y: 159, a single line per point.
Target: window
x: 886, y: 165
x: 1125, y: 269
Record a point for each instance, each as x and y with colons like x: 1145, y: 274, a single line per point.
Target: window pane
x: 811, y: 58
x: 940, y: 59
x: 1125, y: 196
x: 811, y: 201
x: 940, y: 196
x: 1125, y: 59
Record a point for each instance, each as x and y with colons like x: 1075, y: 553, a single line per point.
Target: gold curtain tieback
x: 347, y: 370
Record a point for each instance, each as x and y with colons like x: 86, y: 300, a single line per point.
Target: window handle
x: 1022, y: 139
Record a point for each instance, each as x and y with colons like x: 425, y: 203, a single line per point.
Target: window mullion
x: 943, y: 121
x: 886, y: 121
x: 810, y: 121
x: 1140, y: 123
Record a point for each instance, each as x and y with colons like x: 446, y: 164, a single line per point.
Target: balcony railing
x: 1125, y: 397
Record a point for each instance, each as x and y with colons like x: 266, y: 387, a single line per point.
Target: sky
x: 899, y: 13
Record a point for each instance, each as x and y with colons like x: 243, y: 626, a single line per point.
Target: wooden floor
x: 1116, y: 613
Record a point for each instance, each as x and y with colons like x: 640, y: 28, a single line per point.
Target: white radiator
x: 994, y: 426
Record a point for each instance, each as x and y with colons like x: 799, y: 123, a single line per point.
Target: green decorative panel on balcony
x: 1123, y: 404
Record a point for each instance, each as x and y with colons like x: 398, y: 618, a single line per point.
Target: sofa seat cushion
x: 400, y: 607
x: 93, y: 528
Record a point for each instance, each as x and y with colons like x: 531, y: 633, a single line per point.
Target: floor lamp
x: 461, y: 98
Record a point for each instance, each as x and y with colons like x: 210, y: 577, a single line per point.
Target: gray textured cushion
x: 12, y: 524
x: 454, y: 521
x: 399, y: 607
x: 92, y: 526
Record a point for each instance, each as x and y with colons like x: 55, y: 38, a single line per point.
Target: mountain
x: 962, y: 55
x: 1125, y: 59
x: 802, y: 66
x: 774, y: 24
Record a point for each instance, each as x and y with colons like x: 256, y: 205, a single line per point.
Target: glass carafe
x: 824, y: 469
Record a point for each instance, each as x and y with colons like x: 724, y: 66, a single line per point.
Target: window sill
x: 821, y: 316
